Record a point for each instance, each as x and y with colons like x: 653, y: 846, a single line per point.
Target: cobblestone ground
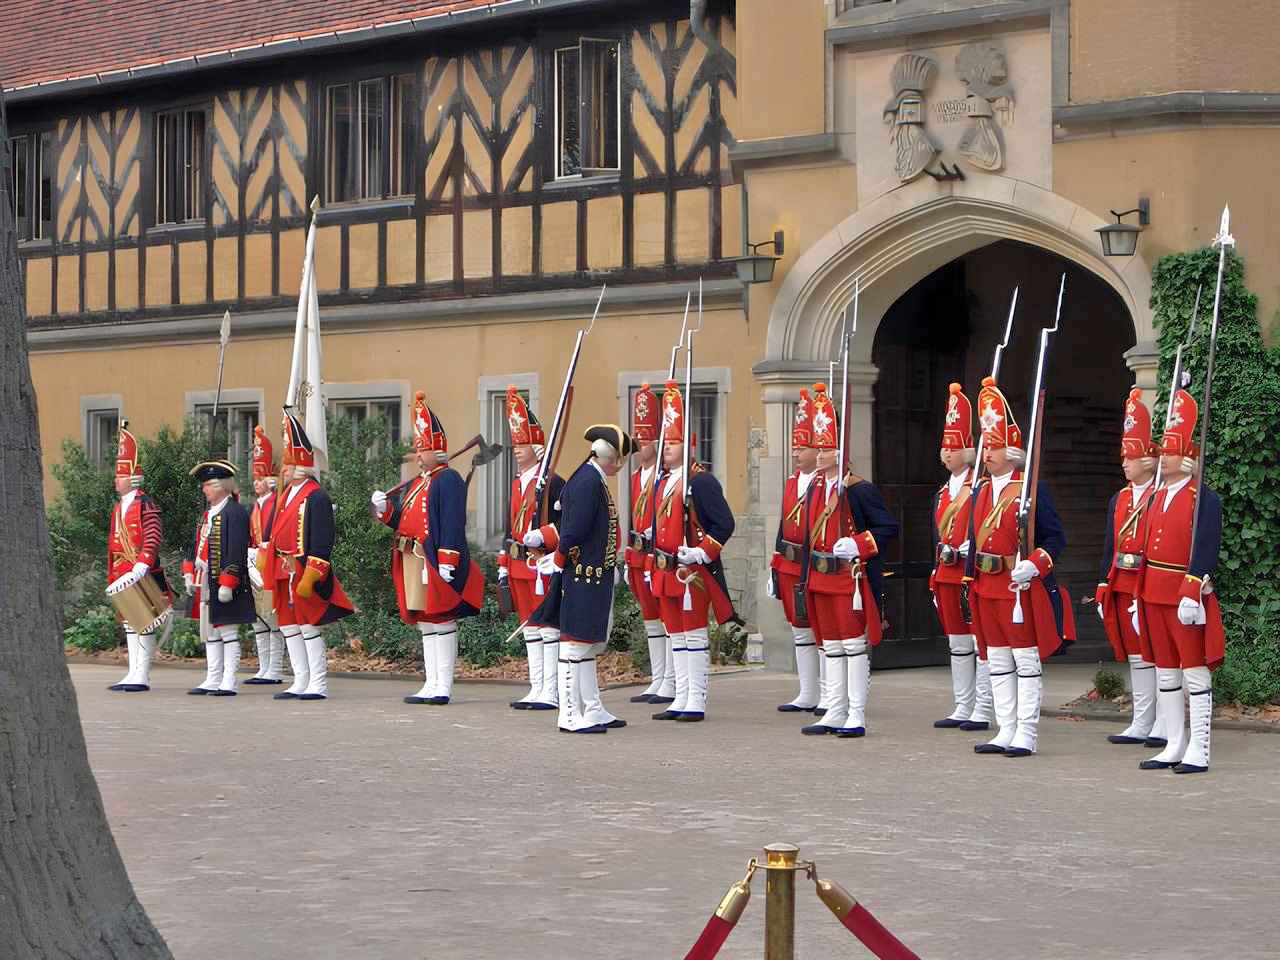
x: 362, y: 827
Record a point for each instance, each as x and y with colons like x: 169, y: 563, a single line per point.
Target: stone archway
x: 889, y: 246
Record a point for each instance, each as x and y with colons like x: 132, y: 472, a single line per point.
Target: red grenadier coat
x: 645, y: 421
x: 951, y: 519
x: 789, y: 546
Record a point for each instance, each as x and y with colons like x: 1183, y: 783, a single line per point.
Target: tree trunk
x: 64, y: 892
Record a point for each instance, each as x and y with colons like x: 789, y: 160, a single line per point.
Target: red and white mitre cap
x: 522, y: 424
x: 825, y: 424
x: 1136, y: 441
x: 1180, y: 428
x: 802, y: 428
x: 957, y: 428
x: 995, y: 414
x: 428, y: 432
x: 298, y: 451
x: 127, y: 453
x: 645, y: 415
x: 264, y: 465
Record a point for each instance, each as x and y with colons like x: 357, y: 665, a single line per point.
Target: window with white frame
x: 102, y: 434
x: 588, y: 108
x: 502, y: 471
x: 370, y: 139
x: 31, y: 186
x: 356, y: 411
x: 180, y: 172
x: 233, y: 431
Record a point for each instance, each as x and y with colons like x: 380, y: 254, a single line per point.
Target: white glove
x: 503, y: 573
x: 648, y: 577
x: 140, y: 569
x: 768, y: 588
x: 846, y: 548
x: 692, y: 555
x: 255, y: 577
x: 446, y: 572
x: 189, y: 581
x: 379, y: 501
x: 1024, y: 572
x: 547, y: 565
x: 533, y: 538
x: 1101, y: 615
x: 1190, y: 612
x: 224, y: 594
x: 253, y: 556
x: 964, y: 549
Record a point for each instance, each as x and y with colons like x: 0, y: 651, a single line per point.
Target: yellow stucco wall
x: 781, y: 68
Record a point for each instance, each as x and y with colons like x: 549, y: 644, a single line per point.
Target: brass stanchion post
x: 780, y: 901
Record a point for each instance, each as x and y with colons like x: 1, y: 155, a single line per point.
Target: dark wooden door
x: 920, y: 349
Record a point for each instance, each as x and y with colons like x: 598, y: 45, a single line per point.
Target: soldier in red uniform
x: 1181, y: 623
x: 436, y: 582
x: 133, y: 552
x: 526, y: 539
x: 788, y: 551
x: 306, y: 591
x: 846, y: 525
x: 266, y: 630
x: 1020, y: 614
x: 1117, y: 592
x: 688, y: 579
x: 645, y: 421
x: 970, y: 673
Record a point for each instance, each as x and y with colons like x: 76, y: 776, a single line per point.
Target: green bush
x: 728, y: 643
x: 97, y: 629
x: 482, y: 638
x: 1251, y: 673
x: 1243, y: 461
x: 184, y: 639
x: 384, y: 635
x: 1108, y: 683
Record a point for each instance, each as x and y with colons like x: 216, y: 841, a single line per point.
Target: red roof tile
x: 49, y: 40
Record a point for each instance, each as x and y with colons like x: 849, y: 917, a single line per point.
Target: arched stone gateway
x: 890, y: 246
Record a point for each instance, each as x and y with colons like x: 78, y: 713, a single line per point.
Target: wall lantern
x: 756, y: 267
x: 1121, y: 239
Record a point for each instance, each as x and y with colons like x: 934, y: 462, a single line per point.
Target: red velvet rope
x: 714, y: 934
x: 874, y: 936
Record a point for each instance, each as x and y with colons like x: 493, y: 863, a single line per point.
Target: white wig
x: 602, y: 449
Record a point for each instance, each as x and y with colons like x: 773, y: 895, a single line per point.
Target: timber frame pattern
x: 486, y: 216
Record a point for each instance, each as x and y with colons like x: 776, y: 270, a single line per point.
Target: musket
x: 1031, y: 475
x: 1174, y: 383
x: 688, y: 405
x: 551, y: 453
x: 224, y: 337
x: 847, y: 330
x: 1222, y: 241
x: 684, y: 325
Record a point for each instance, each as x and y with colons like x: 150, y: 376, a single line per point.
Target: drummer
x: 133, y: 552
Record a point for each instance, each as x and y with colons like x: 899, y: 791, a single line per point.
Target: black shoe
x: 792, y: 708
x: 975, y: 725
x: 642, y: 698
x: 847, y: 732
x: 284, y: 695
x: 597, y: 728
x: 222, y: 693
x: 816, y: 730
x: 1018, y: 752
x: 135, y: 688
x: 539, y: 705
x: 256, y: 681
x: 657, y: 699
x: 616, y: 723
x: 988, y: 748
x: 197, y: 692
x: 691, y: 716
x: 417, y: 699
x: 666, y: 715
x: 819, y: 711
x: 948, y: 723
x: 1156, y: 765
x: 437, y: 701
x: 519, y: 704
x: 117, y: 686
x: 312, y: 696
x: 1190, y: 768
x: 1154, y: 742
x: 1120, y: 738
